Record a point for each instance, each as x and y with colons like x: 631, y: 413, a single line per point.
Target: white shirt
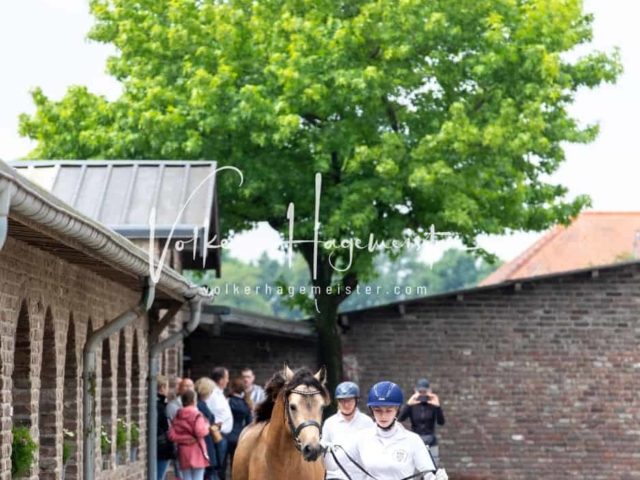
x: 219, y: 406
x: 337, y: 430
x: 389, y: 454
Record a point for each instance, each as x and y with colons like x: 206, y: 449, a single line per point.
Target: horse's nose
x: 310, y: 453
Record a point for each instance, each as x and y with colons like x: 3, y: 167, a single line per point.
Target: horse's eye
x: 293, y: 408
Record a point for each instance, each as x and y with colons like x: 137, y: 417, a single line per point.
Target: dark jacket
x: 211, y: 447
x: 423, y: 419
x: 241, y: 417
x: 166, y: 449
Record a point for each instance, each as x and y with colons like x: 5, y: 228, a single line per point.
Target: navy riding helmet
x: 347, y: 390
x: 385, y: 394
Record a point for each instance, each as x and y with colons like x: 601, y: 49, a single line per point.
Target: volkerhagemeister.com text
x: 266, y: 289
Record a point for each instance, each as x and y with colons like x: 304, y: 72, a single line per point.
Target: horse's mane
x: 276, y: 386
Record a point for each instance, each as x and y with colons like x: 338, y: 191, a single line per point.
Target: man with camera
x: 424, y: 411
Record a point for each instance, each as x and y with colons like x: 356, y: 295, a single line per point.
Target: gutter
x: 195, y: 307
x: 5, y: 203
x: 89, y: 372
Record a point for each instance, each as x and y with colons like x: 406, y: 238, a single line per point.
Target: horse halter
x: 295, y: 431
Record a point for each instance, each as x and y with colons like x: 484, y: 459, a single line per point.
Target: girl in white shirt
x: 386, y: 451
x: 338, y: 428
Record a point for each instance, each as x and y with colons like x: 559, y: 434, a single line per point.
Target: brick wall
x: 46, y: 308
x: 537, y: 383
x: 263, y: 354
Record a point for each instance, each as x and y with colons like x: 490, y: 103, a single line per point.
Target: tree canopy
x: 415, y: 113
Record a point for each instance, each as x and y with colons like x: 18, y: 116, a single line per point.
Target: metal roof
x: 121, y: 193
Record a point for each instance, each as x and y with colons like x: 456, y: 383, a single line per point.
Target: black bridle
x: 295, y: 431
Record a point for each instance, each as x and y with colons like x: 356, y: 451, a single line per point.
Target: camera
x: 423, y: 399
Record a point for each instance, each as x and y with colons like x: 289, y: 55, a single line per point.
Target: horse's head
x: 305, y: 397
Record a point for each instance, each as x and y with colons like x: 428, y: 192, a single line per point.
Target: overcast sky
x: 42, y: 43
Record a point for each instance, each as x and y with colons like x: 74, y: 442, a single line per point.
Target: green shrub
x: 67, y: 446
x: 105, y: 441
x: 135, y: 435
x: 121, y: 435
x: 22, y: 451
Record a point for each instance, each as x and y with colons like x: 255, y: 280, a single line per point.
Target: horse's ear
x: 288, y: 373
x: 321, y: 376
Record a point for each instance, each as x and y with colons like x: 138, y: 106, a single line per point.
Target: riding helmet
x: 347, y: 390
x: 385, y: 394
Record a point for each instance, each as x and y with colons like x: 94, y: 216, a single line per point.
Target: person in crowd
x: 175, y: 405
x: 347, y: 422
x: 219, y: 406
x: 240, y: 404
x: 165, y: 448
x: 204, y: 388
x: 173, y: 394
x: 256, y: 392
x: 387, y: 450
x: 188, y: 430
x: 186, y: 384
x: 424, y: 411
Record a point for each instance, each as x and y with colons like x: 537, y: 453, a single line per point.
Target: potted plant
x: 135, y: 436
x: 22, y: 451
x: 121, y: 442
x: 105, y: 447
x: 67, y: 449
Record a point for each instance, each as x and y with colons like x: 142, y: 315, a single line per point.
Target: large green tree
x: 415, y: 112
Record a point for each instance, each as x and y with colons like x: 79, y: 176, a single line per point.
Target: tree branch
x: 392, y: 114
x: 312, y: 119
x: 336, y: 167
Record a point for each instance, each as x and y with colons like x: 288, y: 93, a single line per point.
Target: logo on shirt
x: 401, y: 456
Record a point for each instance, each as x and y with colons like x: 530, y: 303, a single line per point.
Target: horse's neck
x: 279, y: 432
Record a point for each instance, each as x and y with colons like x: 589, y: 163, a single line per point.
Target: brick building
x: 538, y: 378
x: 63, y: 276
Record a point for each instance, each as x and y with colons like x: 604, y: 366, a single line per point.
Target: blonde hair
x: 162, y: 381
x: 204, y: 387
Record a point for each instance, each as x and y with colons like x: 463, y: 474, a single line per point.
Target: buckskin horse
x: 283, y: 442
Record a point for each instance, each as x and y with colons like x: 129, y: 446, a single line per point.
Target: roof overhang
x: 514, y: 285
x: 36, y: 217
x: 225, y: 320
x: 122, y: 193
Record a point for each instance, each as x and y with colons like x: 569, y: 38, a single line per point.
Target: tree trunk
x: 329, y: 351
x: 329, y: 346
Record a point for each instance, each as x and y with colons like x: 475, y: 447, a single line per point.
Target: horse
x: 283, y: 441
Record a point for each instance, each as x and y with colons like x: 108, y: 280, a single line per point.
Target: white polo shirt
x: 389, y: 454
x: 219, y: 406
x: 337, y: 430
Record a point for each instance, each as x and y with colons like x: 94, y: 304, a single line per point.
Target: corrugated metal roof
x: 121, y: 193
